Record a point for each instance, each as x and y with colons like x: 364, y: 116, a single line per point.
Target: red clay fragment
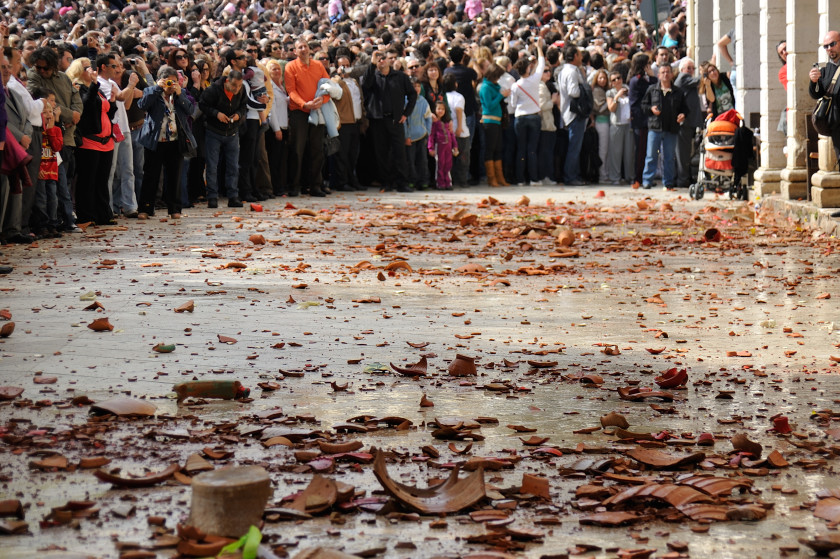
x: 7, y: 329
x: 610, y: 519
x: 741, y: 443
x: 462, y: 366
x: 124, y: 407
x: 662, y: 460
x: 134, y: 482
x: 416, y: 370
x: 101, y: 325
x: 454, y: 495
x: 535, y: 485
x: 319, y: 495
x: 672, y: 378
x: 10, y: 392
x: 635, y: 394
x: 828, y: 509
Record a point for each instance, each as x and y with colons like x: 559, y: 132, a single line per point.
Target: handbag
x: 583, y: 104
x: 186, y: 145
x: 826, y: 116
x: 116, y: 132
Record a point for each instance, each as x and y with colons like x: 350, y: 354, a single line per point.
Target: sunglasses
x: 241, y: 57
x: 181, y: 57
x: 413, y: 67
x: 252, y: 50
x: 40, y: 68
x: 829, y: 45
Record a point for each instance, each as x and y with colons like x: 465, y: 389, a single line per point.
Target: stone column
x: 825, y: 183
x: 702, y: 32
x: 802, y: 30
x: 724, y: 20
x: 773, y: 23
x: 747, y: 25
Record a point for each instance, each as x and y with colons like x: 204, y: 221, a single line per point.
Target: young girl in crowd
x: 443, y: 145
x: 52, y: 141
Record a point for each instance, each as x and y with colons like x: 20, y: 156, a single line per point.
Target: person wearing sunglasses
x: 821, y: 79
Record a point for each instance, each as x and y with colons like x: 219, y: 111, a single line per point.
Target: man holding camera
x: 821, y: 79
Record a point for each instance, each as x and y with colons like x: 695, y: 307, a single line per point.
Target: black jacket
x: 819, y: 89
x: 688, y: 83
x: 670, y: 106
x: 387, y: 96
x: 214, y: 101
x: 90, y: 123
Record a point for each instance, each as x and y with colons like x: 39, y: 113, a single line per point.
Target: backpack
x: 583, y: 105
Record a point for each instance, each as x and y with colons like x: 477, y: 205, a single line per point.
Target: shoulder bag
x: 826, y: 115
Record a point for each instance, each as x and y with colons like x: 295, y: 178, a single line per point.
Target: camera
x: 132, y: 61
x: 169, y: 83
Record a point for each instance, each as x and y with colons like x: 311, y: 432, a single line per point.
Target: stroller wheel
x: 691, y: 190
x: 699, y: 192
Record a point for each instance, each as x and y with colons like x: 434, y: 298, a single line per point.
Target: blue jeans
x: 667, y: 141
x: 571, y: 170
x: 122, y: 177
x: 65, y: 201
x: 137, y: 151
x: 527, y: 138
x: 229, y: 146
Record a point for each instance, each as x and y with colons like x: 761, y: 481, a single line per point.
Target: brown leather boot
x: 491, y: 173
x: 500, y: 174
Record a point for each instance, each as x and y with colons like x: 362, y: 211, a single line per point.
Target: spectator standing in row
x: 93, y: 158
x: 350, y: 112
x: 389, y: 99
x: 570, y: 83
x: 688, y: 82
x: 44, y: 74
x: 307, y: 140
x: 165, y: 130
x: 664, y: 105
x: 622, y: 148
x: 641, y: 78
x: 223, y: 107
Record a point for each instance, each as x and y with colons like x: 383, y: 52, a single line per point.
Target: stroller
x: 726, y: 154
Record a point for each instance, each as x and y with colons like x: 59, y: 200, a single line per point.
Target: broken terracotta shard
x: 662, y: 460
x: 462, y: 366
x: 672, y: 378
x: 319, y: 495
x: 614, y: 419
x: 454, y: 495
x: 124, y: 407
x: 635, y: 394
x: 223, y: 389
x: 741, y: 443
x: 135, y: 482
x: 618, y: 518
x: 416, y: 370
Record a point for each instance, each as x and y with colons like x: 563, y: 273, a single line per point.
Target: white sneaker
x: 536, y: 183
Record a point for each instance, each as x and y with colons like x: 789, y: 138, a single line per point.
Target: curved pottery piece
x: 462, y: 366
x: 672, y: 378
x: 451, y: 496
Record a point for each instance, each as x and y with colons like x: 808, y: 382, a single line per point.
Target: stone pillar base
x: 767, y: 181
x: 794, y: 183
x: 827, y: 161
x: 825, y: 192
x: 825, y: 197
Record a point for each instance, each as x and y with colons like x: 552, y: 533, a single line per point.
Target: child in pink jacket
x: 443, y: 145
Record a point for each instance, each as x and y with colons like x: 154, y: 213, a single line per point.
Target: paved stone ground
x: 303, y: 303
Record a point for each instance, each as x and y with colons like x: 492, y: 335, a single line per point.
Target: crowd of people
x: 116, y: 109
